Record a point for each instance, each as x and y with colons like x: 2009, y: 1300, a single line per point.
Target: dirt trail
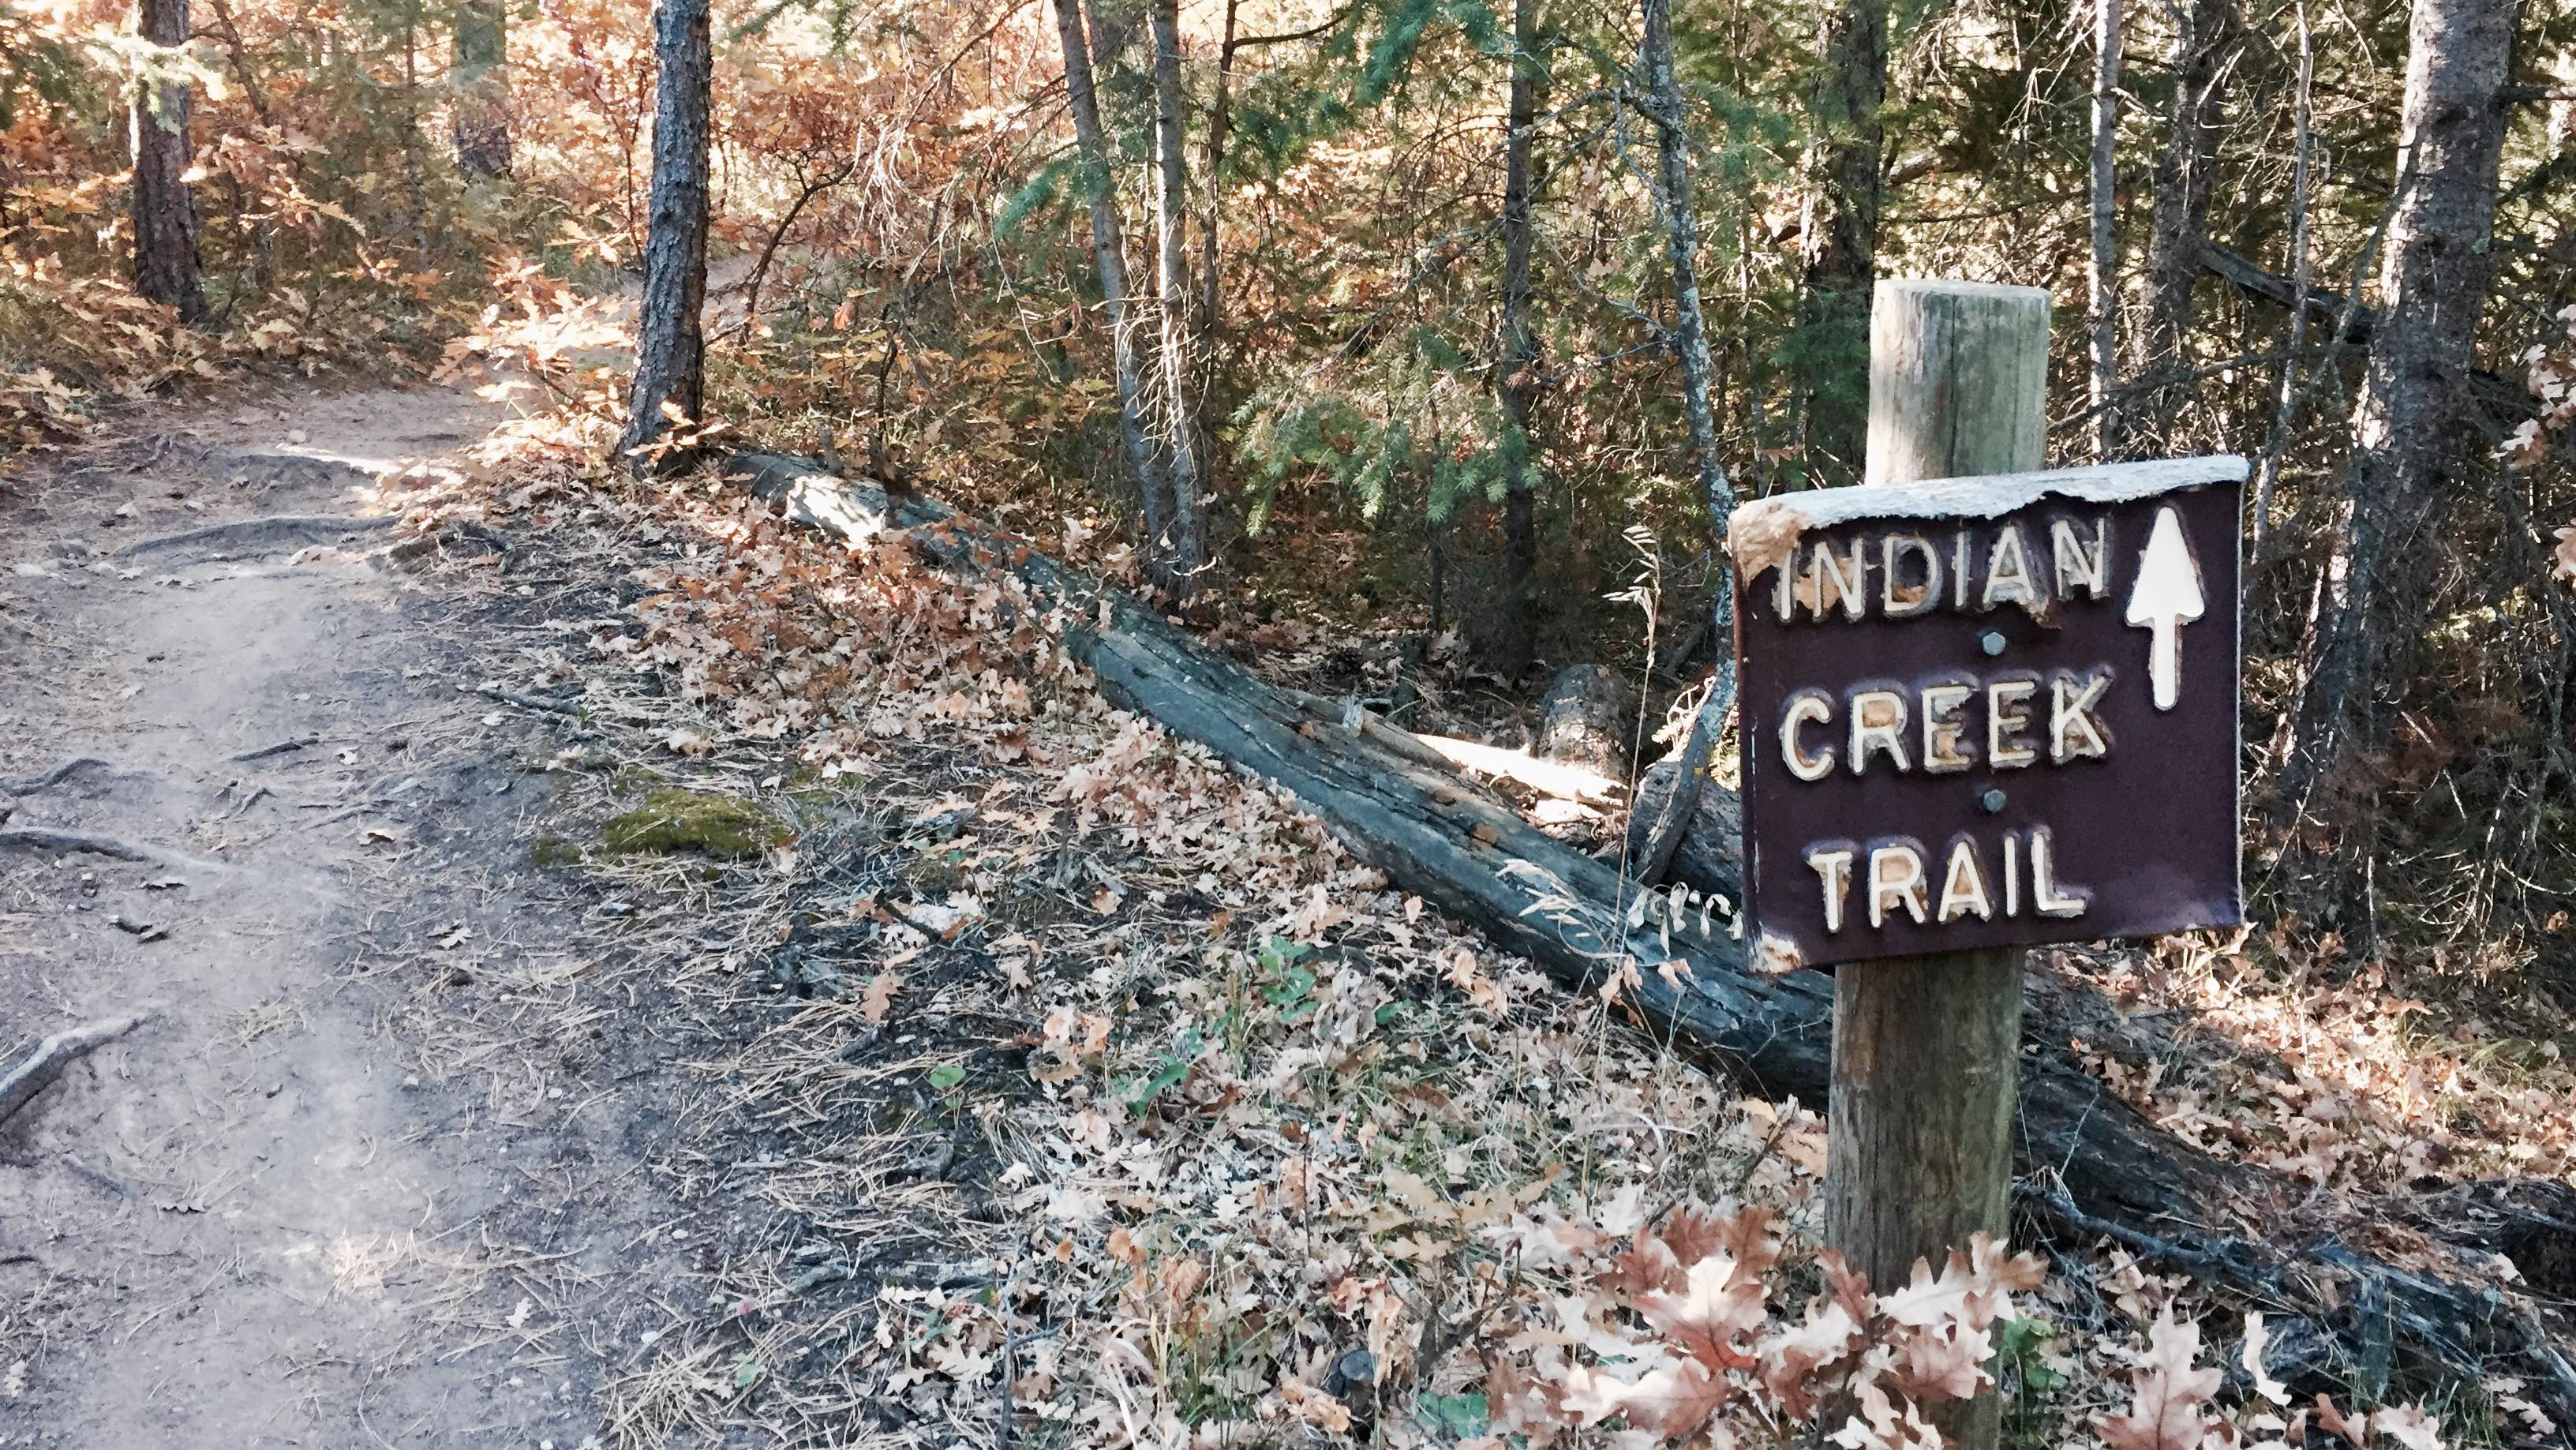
x: 375, y: 1173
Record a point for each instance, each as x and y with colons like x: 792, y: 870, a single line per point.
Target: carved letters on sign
x: 1986, y: 711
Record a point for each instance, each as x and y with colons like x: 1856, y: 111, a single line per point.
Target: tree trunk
x: 1186, y: 551
x: 480, y: 78
x: 1842, y: 244
x: 166, y: 268
x: 1208, y: 330
x: 415, y: 184
x: 2417, y: 439
x: 1109, y: 249
x: 1520, y: 349
x: 2102, y: 283
x: 2203, y: 54
x: 1689, y: 342
x: 2267, y: 466
x: 670, y: 344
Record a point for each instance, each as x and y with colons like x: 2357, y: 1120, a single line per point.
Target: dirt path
x: 375, y: 1173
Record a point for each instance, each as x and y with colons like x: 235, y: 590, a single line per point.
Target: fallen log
x: 1707, y: 852
x: 1587, y: 718
x: 1565, y: 780
x: 2506, y: 399
x: 2090, y: 1163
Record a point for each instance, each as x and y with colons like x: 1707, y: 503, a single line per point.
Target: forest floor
x: 595, y: 1002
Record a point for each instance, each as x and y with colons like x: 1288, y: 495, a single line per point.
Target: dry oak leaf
x: 1937, y: 1365
x: 1791, y: 1358
x: 879, y: 997
x: 1716, y: 1307
x: 2169, y: 1399
x: 1674, y: 1402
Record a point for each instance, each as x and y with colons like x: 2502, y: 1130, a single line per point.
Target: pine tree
x: 1842, y: 240
x: 166, y: 266
x: 480, y: 78
x: 670, y: 348
x: 2417, y: 446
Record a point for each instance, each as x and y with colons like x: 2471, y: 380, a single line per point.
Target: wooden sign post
x: 1982, y: 708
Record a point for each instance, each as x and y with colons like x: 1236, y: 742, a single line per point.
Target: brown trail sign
x: 1994, y: 711
x: 1982, y: 712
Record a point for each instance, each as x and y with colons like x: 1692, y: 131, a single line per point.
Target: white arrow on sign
x: 2166, y: 597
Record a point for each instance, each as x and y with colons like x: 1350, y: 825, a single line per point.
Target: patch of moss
x: 553, y: 851
x: 726, y: 827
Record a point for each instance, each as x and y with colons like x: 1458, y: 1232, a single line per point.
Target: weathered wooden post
x: 1981, y: 710
x: 1927, y: 1054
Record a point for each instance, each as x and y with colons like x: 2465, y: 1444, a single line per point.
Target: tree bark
x: 1109, y: 251
x: 2102, y: 282
x: 2267, y: 466
x: 1689, y: 342
x: 2418, y: 443
x: 670, y: 345
x: 1185, y: 553
x: 166, y: 266
x: 480, y: 78
x: 1842, y: 244
x: 1208, y: 328
x: 1520, y: 348
x: 2185, y: 174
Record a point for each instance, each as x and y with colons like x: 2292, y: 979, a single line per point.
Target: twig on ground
x: 58, y: 1052
x: 572, y: 708
x: 301, y: 742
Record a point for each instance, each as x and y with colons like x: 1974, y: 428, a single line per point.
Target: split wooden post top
x: 1982, y: 707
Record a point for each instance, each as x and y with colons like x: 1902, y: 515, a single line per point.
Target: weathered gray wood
x: 1708, y: 849
x: 1666, y: 106
x: 21, y: 1084
x: 1519, y: 372
x: 1955, y: 389
x: 1184, y: 554
x: 1589, y: 717
x: 2418, y: 434
x: 1926, y: 1050
x: 2092, y: 1163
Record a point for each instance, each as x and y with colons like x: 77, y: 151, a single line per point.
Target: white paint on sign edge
x: 1764, y: 534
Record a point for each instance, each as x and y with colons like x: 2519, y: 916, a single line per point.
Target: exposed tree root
x: 274, y: 531
x: 47, y: 838
x: 58, y: 1052
x: 30, y: 784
